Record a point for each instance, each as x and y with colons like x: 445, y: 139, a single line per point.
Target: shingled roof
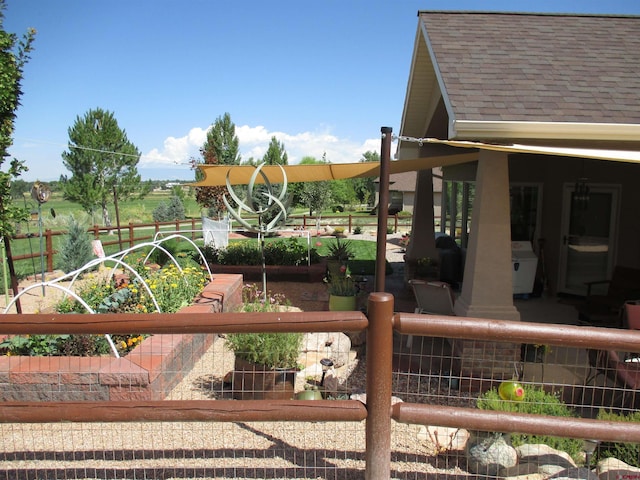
x: 526, y: 68
x: 538, y: 67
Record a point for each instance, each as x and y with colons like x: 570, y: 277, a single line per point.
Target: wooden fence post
x: 378, y: 363
x: 48, y: 237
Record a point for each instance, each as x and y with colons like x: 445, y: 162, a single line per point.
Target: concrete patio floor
x: 563, y: 370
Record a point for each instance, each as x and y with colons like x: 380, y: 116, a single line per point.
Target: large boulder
x: 488, y: 454
x: 333, y: 345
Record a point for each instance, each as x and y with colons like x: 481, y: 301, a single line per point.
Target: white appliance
x: 524, y: 262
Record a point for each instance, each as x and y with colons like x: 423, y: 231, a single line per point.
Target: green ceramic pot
x: 309, y: 395
x: 342, y: 304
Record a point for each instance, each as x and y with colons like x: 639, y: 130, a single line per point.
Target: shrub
x: 629, y: 453
x: 279, y: 252
x: 337, y: 209
x: 536, y: 401
x: 166, y: 212
x: 76, y: 248
x: 357, y: 230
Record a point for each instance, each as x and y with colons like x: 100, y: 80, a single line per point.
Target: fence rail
x: 377, y: 411
x: 135, y: 233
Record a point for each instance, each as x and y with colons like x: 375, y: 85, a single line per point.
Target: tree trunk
x: 105, y: 215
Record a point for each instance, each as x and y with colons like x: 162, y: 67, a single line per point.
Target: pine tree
x: 103, y: 164
x: 221, y: 147
x: 76, y: 249
x: 276, y: 154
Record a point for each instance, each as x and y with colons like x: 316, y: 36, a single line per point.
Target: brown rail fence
x: 377, y: 411
x: 135, y: 233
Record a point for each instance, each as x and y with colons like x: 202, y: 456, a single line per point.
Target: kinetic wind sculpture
x: 260, y: 201
x: 41, y: 193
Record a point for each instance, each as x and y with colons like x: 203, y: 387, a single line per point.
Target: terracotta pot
x: 258, y: 382
x: 632, y: 311
x: 342, y: 304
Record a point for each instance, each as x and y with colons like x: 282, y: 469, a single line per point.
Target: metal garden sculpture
x: 261, y: 200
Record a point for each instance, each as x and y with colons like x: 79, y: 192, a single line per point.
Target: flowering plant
x: 253, y: 300
x: 342, y: 286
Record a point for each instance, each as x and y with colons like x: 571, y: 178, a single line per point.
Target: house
x: 550, y: 104
x: 402, y: 188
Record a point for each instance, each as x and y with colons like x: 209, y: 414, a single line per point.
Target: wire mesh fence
x: 580, y: 376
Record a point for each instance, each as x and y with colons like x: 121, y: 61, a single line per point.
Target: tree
x: 316, y: 196
x: 76, y: 250
x: 223, y: 141
x: 276, y: 153
x: 364, y: 188
x: 103, y: 164
x: 220, y: 147
x: 14, y: 54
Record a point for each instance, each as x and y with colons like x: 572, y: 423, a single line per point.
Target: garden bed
x: 149, y: 372
x: 290, y: 273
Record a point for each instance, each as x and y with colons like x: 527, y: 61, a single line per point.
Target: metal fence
x: 198, y: 429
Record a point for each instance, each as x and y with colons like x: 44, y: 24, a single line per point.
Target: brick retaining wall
x: 149, y: 372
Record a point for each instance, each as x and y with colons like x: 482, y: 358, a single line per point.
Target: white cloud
x: 175, y: 151
x: 254, y: 142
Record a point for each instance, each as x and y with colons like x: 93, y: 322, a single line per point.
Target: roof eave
x: 474, y: 129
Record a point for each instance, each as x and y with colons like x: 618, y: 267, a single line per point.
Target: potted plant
x: 342, y: 292
x: 265, y: 364
x: 340, y: 253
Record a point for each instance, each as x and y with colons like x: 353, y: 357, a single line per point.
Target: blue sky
x: 322, y: 76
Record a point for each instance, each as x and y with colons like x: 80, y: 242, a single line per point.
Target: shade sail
x: 632, y: 156
x: 215, y: 175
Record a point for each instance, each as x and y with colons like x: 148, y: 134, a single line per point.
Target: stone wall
x: 149, y: 372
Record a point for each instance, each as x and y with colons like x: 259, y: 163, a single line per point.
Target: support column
x: 422, y: 243
x: 487, y: 290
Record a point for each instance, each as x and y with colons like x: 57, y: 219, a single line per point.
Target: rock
x: 487, y: 454
x: 582, y: 473
x: 444, y: 439
x: 357, y: 338
x: 522, y: 471
x: 541, y: 454
x: 614, y: 469
x: 331, y: 381
x: 334, y: 345
x: 362, y: 397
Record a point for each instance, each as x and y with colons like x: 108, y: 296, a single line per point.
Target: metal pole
x: 41, y: 246
x: 5, y: 278
x: 115, y: 203
x: 383, y: 208
x: 378, y: 363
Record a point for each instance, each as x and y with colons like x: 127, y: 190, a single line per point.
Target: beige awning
x: 593, y: 153
x: 215, y: 175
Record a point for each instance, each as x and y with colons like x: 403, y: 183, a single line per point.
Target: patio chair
x: 607, y: 310
x: 620, y: 368
x: 435, y: 298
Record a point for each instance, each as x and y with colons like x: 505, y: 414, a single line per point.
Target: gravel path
x: 216, y: 450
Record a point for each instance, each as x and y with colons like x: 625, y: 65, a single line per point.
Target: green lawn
x: 57, y: 211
